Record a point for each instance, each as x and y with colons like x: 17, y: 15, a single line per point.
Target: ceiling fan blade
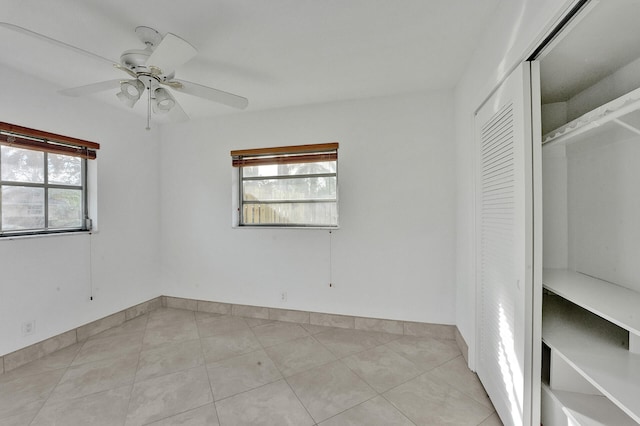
x: 177, y: 114
x: 210, y: 93
x: 50, y: 40
x: 171, y: 53
x: 91, y: 88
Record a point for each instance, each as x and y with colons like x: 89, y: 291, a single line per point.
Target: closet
x: 590, y: 95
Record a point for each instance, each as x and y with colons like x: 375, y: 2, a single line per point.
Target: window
x: 291, y: 186
x: 43, y: 185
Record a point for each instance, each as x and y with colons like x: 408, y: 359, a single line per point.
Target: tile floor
x: 179, y: 367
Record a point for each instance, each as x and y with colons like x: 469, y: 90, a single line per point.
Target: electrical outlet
x: 28, y: 327
x: 283, y: 296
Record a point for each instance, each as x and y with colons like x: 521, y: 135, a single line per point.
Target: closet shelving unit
x: 593, y: 328
x: 616, y: 118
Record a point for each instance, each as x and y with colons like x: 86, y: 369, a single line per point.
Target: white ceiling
x: 277, y: 53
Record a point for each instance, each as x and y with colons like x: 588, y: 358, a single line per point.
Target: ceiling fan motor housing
x: 135, y: 59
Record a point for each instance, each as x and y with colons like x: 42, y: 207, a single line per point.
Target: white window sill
x: 45, y: 235
x: 309, y: 228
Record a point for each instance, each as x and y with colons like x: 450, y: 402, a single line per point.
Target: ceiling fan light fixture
x: 163, y: 101
x: 130, y: 91
x: 126, y: 100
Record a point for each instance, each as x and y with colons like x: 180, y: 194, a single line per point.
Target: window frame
x: 49, y: 143
x: 298, y: 154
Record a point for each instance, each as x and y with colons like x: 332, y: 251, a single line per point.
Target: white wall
x: 517, y: 28
x: 553, y: 116
x: 603, y: 207
x: 49, y: 279
x: 555, y: 245
x: 614, y: 85
x: 393, y: 256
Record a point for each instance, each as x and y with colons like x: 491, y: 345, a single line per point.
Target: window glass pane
x: 65, y: 208
x: 22, y: 208
x: 316, y: 188
x: 21, y: 165
x: 316, y: 214
x: 64, y: 169
x: 290, y: 169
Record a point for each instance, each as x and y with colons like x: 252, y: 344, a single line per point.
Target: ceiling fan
x: 151, y: 69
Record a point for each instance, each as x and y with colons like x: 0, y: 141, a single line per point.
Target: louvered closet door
x: 507, y: 337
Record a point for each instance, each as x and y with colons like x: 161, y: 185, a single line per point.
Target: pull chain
x: 149, y: 108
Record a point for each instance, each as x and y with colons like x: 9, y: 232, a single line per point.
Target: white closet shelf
x: 620, y: 115
x: 596, y: 349
x: 610, y: 301
x: 585, y: 410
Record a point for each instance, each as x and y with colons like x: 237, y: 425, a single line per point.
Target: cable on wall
x: 330, y: 260
x: 90, y: 266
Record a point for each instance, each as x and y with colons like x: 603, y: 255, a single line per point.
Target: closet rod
x: 604, y: 118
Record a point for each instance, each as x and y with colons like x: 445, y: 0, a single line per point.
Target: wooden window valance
x: 285, y: 155
x: 38, y: 140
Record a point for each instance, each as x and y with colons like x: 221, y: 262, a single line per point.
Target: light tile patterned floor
x: 179, y: 367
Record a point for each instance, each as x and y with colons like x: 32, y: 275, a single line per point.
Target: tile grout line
x: 340, y: 357
x: 262, y: 348
x: 373, y: 397
x: 486, y: 418
x: 284, y: 378
x: 328, y: 362
x: 359, y: 376
x: 66, y: 369
x: 315, y: 422
x: 135, y: 374
x: 395, y: 406
x: 206, y: 369
x: 463, y: 391
x: 166, y: 374
x: 248, y: 390
x: 424, y: 373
